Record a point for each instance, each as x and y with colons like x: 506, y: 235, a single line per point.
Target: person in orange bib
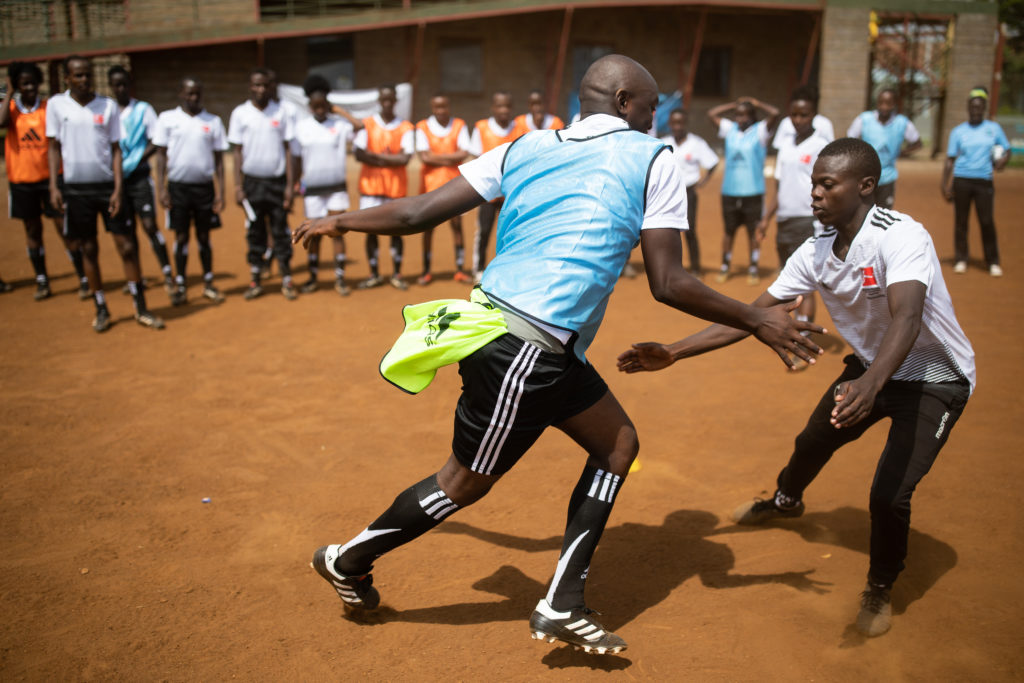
x: 384, y: 146
x: 536, y: 116
x: 442, y: 143
x: 488, y: 134
x: 23, y: 113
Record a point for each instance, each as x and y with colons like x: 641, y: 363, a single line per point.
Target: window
x: 712, y: 77
x: 461, y: 68
x: 332, y: 58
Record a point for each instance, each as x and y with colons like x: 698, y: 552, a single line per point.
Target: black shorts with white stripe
x: 512, y: 391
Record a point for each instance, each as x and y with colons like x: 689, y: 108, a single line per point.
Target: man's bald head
x: 621, y: 87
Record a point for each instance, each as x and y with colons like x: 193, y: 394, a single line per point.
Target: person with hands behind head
x: 746, y: 144
x: 879, y: 277
x: 548, y: 285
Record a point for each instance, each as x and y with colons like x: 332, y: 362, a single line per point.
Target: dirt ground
x: 114, y: 567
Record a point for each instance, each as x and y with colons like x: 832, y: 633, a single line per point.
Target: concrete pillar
x: 845, y: 53
x: 971, y: 61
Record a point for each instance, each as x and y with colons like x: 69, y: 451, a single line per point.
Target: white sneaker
x: 960, y: 267
x: 995, y: 271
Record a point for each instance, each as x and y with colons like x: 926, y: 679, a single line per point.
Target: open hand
x: 646, y: 356
x: 781, y: 332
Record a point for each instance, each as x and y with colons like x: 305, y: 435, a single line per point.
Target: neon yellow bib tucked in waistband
x: 439, y: 333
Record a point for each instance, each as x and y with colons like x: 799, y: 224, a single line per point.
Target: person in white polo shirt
x: 318, y: 150
x: 791, y: 204
x: 823, y: 127
x: 879, y: 276
x: 138, y: 122
x: 260, y: 131
x: 190, y: 144
x: 83, y: 129
x: 698, y: 162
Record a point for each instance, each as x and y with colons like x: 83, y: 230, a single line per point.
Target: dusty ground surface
x: 114, y: 568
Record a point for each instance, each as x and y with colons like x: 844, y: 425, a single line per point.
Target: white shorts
x: 318, y: 205
x: 370, y: 202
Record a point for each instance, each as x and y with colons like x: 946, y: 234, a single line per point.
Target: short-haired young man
x: 442, y: 143
x: 879, y: 277
x: 84, y: 130
x: 190, y: 144
x: 138, y: 122
x: 260, y: 131
x: 23, y: 113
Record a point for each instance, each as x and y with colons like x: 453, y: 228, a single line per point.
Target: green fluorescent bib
x: 439, y: 333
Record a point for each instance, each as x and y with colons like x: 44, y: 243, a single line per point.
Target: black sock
x: 460, y: 258
x: 414, y: 512
x: 427, y: 258
x: 76, y: 261
x: 372, y: 255
x: 38, y: 258
x: 397, y: 247
x: 339, y: 267
x: 181, y: 255
x: 313, y: 263
x: 156, y: 240
x: 100, y: 300
x: 589, y: 508
x: 206, y: 258
x: 138, y: 296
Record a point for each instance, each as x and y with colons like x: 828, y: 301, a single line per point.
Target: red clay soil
x: 114, y: 567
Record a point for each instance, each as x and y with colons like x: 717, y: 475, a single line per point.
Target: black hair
x: 118, y: 69
x: 316, y: 83
x: 190, y: 79
x: 74, y: 58
x: 388, y: 86
x: 890, y: 90
x: 259, y: 71
x: 679, y: 110
x: 16, y: 69
x: 536, y: 91
x: 805, y: 92
x: 863, y: 159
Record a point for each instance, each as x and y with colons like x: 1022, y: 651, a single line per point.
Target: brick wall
x: 971, y: 61
x: 844, y: 65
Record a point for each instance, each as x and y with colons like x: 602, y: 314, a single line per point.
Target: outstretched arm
x: 855, y: 399
x: 405, y: 216
x: 672, y: 285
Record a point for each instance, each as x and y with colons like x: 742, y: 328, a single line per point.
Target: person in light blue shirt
x: 746, y: 144
x: 886, y: 130
x: 975, y: 148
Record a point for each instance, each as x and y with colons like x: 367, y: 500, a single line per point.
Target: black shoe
x: 575, y: 627
x: 5, y: 287
x: 759, y: 511
x: 341, y: 288
x: 101, y: 323
x: 290, y: 292
x: 253, y: 291
x: 309, y: 286
x: 83, y: 291
x: 169, y: 285
x: 875, y: 616
x: 147, y: 319
x: 212, y: 293
x: 356, y: 592
x: 42, y: 290
x: 371, y: 282
x: 178, y: 296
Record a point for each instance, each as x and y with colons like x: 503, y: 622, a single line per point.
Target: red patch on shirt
x: 275, y: 123
x: 805, y: 159
x: 869, y: 277
x: 206, y: 129
x: 689, y: 157
x: 97, y: 119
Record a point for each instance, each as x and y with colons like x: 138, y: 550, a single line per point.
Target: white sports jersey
x: 786, y: 132
x: 190, y: 142
x: 793, y: 167
x: 890, y: 247
x: 262, y: 134
x: 322, y: 148
x: 85, y: 135
x: 691, y: 155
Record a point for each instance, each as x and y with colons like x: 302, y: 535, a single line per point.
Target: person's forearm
x: 5, y: 108
x: 708, y: 339
x: 686, y: 293
x: 118, y: 175
x: 53, y: 159
x: 238, y: 166
x: 947, y: 173
x: 160, y: 167
x: 218, y: 173
x: 148, y: 152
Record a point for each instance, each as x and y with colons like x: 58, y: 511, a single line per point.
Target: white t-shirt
x: 190, y: 142
x: 691, y: 155
x: 666, y: 193
x: 793, y: 167
x: 891, y: 247
x: 462, y: 141
x: 322, y: 147
x: 85, y: 134
x: 786, y: 133
x: 476, y: 145
x: 408, y: 139
x: 262, y: 135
